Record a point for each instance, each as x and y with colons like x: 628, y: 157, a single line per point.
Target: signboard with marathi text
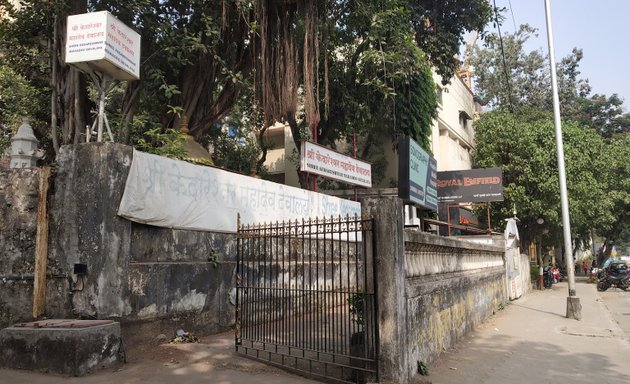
x: 325, y: 162
x: 99, y: 41
x: 417, y: 174
x: 470, y: 185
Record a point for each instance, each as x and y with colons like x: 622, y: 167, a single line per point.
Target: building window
x: 440, y: 94
x: 464, y: 117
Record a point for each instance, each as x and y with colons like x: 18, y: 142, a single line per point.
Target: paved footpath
x: 532, y: 341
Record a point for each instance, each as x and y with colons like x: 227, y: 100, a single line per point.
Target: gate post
x: 391, y: 303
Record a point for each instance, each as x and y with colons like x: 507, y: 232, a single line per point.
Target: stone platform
x: 66, y: 346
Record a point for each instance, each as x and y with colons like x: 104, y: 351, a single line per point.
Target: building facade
x: 451, y: 141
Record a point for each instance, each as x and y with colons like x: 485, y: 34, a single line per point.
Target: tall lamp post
x: 574, y: 308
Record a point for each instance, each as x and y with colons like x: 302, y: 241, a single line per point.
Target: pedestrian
x: 577, y: 267
x: 585, y: 267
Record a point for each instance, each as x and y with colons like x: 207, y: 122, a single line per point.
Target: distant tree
x: 18, y: 98
x: 524, y: 148
x: 616, y: 154
x: 529, y: 84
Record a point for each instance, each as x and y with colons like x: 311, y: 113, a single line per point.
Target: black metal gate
x: 306, y: 297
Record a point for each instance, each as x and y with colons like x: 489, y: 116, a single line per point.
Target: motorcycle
x: 615, y: 275
x: 557, y: 274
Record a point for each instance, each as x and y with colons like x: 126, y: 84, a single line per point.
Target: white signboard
x: 100, y: 41
x: 176, y: 194
x: 322, y: 161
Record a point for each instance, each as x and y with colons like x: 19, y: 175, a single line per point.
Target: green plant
x: 357, y: 308
x: 423, y: 369
x: 169, y: 142
x: 533, y: 272
x: 213, y: 258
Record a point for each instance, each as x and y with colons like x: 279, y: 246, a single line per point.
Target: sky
x: 601, y: 28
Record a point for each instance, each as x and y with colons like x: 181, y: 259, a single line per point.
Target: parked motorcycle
x: 615, y: 275
x: 556, y: 273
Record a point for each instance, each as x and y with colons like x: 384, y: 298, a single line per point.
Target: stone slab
x: 66, y: 346
x: 63, y: 323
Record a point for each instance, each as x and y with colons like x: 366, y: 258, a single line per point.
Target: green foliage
x: 168, y: 142
x: 524, y: 147
x: 199, y: 58
x: 439, y: 28
x: 530, y: 83
x: 534, y: 272
x: 381, y: 85
x: 416, y: 107
x: 236, y: 153
x: 617, y: 173
x: 523, y: 143
x: 18, y: 98
x: 422, y: 368
x: 357, y: 308
x: 214, y: 258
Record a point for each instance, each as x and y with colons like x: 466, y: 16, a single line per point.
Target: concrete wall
x: 462, y: 285
x: 19, y: 191
x: 135, y: 273
x: 432, y: 290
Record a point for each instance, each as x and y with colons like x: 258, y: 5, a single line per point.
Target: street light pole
x: 574, y: 308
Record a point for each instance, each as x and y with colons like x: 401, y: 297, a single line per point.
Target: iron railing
x: 306, y: 297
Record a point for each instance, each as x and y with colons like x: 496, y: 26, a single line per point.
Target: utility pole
x: 574, y: 308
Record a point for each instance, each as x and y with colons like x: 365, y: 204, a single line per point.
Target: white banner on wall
x: 176, y: 194
x: 325, y: 162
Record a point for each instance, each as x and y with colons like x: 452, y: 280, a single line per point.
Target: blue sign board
x: 417, y: 175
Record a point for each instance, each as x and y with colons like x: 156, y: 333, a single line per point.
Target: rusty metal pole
x: 448, y: 218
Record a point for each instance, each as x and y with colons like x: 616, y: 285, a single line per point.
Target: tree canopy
x: 338, y: 66
x: 518, y: 135
x: 529, y: 83
x: 524, y: 147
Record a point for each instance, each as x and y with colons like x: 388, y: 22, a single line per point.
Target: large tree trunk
x: 129, y: 108
x: 69, y: 107
x: 307, y: 180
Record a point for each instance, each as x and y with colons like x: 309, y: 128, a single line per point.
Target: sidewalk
x: 532, y: 341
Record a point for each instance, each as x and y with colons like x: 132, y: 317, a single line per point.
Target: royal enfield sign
x: 100, y: 42
x: 417, y: 174
x: 325, y: 162
x: 470, y: 186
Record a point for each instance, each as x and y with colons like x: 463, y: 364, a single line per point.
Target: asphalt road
x: 618, y: 304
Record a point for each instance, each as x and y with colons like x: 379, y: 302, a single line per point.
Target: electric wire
x: 505, y: 70
x: 512, y: 12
